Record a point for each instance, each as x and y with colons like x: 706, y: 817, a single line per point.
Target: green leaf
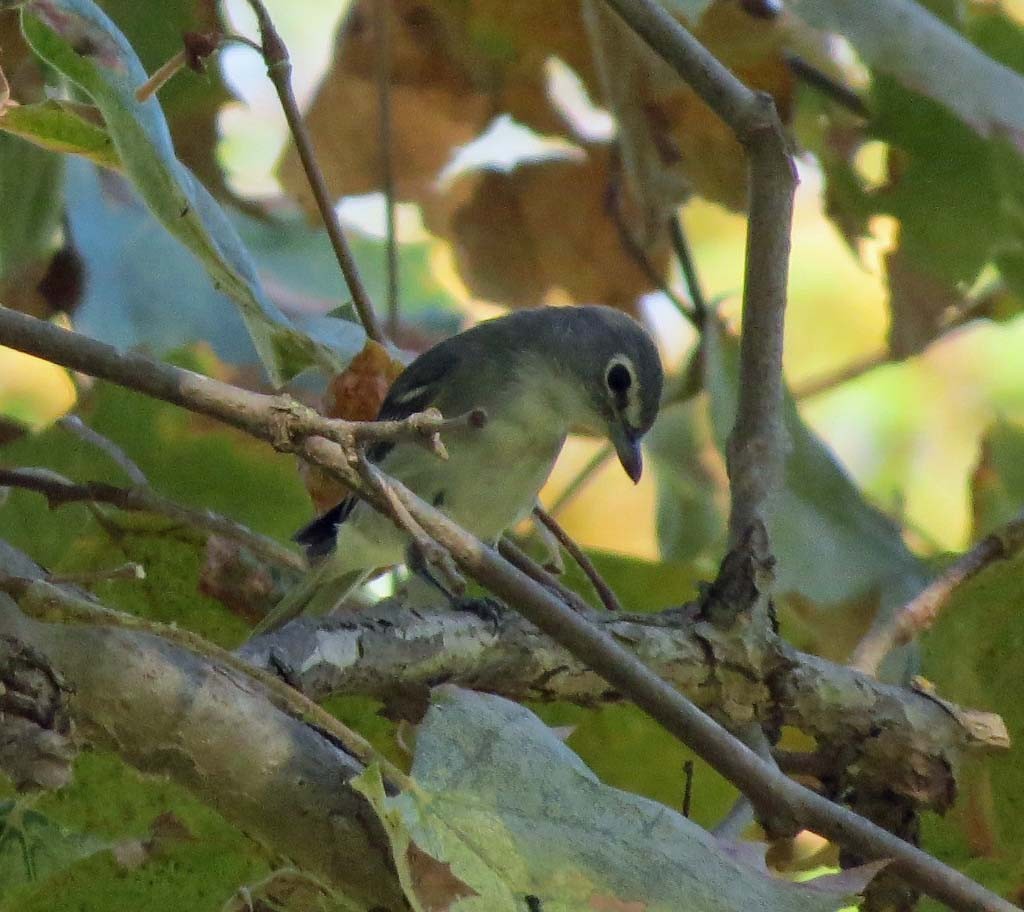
x: 58, y: 126
x: 78, y: 39
x: 689, y: 470
x: 973, y: 657
x: 640, y: 585
x: 113, y: 802
x: 34, y: 848
x: 945, y: 193
x: 502, y: 810
x: 997, y: 485
x: 918, y: 50
x: 837, y: 554
x: 30, y: 187
x: 185, y: 459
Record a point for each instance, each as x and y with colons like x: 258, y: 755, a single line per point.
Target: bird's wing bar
x: 416, y: 388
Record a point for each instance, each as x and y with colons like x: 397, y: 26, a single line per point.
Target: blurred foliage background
x: 903, y: 352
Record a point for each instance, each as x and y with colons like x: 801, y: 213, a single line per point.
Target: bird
x: 537, y: 374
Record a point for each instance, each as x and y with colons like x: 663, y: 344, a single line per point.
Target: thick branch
x: 920, y: 612
x: 213, y: 730
x: 777, y: 797
x: 737, y: 676
x: 755, y: 450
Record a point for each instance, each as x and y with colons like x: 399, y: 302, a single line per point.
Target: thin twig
x: 555, y: 562
x: 829, y: 87
x: 636, y: 252
x: 920, y: 613
x: 59, y: 491
x: 974, y: 308
x: 129, y: 571
x: 755, y: 450
x: 75, y: 425
x: 279, y: 69
x: 382, y: 30
x: 684, y: 255
x: 604, y: 591
x: 265, y: 417
x: 45, y: 601
x: 519, y: 559
x: 815, y: 386
x: 580, y: 481
x: 161, y: 76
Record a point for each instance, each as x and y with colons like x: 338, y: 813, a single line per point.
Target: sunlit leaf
x: 80, y: 41
x: 503, y: 811
x: 59, y: 126
x: 922, y: 53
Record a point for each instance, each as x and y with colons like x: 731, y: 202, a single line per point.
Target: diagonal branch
x: 779, y: 799
x: 920, y: 613
x: 218, y: 732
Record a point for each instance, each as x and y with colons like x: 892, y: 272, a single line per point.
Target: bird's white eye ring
x: 619, y: 377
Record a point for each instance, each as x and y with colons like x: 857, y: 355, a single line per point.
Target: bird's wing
x: 418, y: 387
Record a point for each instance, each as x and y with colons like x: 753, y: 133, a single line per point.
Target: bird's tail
x: 318, y: 592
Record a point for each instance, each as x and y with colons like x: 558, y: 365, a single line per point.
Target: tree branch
x: 74, y: 425
x: 920, y: 612
x: 216, y: 731
x: 739, y: 677
x: 755, y: 450
x: 279, y: 69
x: 778, y: 798
x: 604, y: 592
x: 59, y: 491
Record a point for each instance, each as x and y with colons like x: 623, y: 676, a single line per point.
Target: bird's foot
x: 488, y: 609
x: 284, y: 669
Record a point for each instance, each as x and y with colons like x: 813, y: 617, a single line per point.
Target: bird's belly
x: 490, y: 480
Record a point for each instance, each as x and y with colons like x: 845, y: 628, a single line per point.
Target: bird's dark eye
x: 619, y: 378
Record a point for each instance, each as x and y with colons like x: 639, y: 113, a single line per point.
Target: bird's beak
x: 627, y: 447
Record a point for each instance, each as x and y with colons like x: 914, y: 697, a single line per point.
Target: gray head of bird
x: 610, y: 377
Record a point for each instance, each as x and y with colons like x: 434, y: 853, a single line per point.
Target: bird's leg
x: 426, y: 559
x: 486, y: 608
x: 423, y: 551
